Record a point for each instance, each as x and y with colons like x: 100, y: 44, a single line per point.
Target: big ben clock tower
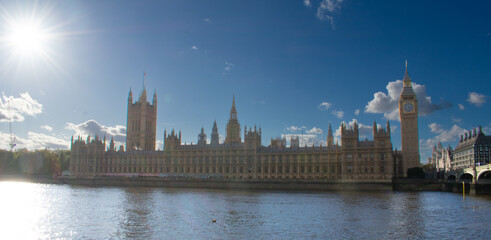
x: 408, y: 112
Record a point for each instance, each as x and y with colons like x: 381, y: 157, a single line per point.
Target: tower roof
x: 406, y: 76
x: 233, y: 110
x: 407, y: 88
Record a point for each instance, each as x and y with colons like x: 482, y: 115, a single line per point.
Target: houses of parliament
x: 244, y: 157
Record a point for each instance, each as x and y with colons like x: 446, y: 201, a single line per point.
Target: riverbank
x: 227, y: 184
x: 404, y: 185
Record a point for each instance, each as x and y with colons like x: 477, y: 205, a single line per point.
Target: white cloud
x: 35, y: 141
x: 324, y: 106
x: 312, y: 136
x: 307, y: 3
x: 159, y: 144
x: 476, y: 99
x: 315, y: 130
x: 338, y: 114
x: 19, y: 107
x: 194, y: 47
x: 92, y: 128
x: 326, y: 9
x: 357, y: 112
x: 47, y: 127
x: 461, y: 107
x: 388, y: 103
x: 443, y: 135
x: 364, y: 131
x: 207, y: 20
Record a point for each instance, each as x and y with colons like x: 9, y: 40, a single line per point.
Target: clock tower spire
x: 408, y: 112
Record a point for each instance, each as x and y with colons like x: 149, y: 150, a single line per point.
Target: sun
x: 27, y: 38
x: 31, y: 36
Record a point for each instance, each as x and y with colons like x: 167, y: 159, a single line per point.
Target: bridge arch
x: 484, y: 177
x: 452, y: 179
x: 466, y: 177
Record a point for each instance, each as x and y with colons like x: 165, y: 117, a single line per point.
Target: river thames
x: 50, y: 211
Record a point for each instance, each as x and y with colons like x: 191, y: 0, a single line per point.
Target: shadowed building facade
x: 352, y: 161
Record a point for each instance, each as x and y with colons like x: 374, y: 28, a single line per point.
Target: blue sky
x: 294, y: 66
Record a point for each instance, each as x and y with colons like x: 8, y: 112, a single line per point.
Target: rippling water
x: 47, y: 211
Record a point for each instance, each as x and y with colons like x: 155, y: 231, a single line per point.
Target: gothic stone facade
x: 141, y: 124
x: 474, y: 149
x: 408, y: 113
x: 354, y: 160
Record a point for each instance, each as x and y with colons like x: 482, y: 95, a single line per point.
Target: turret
x: 111, y: 145
x: 155, y: 98
x: 130, y: 98
x: 143, y: 96
x: 375, y: 130
x: 233, y: 126
x: 233, y: 110
x: 214, y: 134
x: 330, y: 137
x: 202, y: 137
x: 388, y: 128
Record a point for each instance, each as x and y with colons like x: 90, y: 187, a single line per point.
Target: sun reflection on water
x: 21, y: 210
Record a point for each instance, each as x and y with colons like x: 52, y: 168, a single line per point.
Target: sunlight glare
x: 27, y: 38
x: 22, y: 209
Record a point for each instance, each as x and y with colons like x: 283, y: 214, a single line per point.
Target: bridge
x: 477, y: 175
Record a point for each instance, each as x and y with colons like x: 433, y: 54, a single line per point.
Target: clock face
x: 408, y: 107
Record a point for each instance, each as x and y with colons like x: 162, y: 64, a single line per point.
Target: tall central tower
x: 233, y: 126
x: 408, y: 112
x: 141, y: 125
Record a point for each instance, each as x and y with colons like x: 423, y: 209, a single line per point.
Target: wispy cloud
x: 388, y: 103
x: 307, y: 3
x: 357, y: 112
x: 35, y: 141
x: 295, y: 128
x: 47, y: 127
x: 19, y: 107
x: 476, y: 99
x: 443, y: 135
x: 207, y: 20
x: 326, y: 9
x: 461, y: 107
x: 228, y: 68
x: 324, y: 106
x: 338, y: 114
x: 194, y: 47
x: 305, y: 139
x: 456, y: 120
